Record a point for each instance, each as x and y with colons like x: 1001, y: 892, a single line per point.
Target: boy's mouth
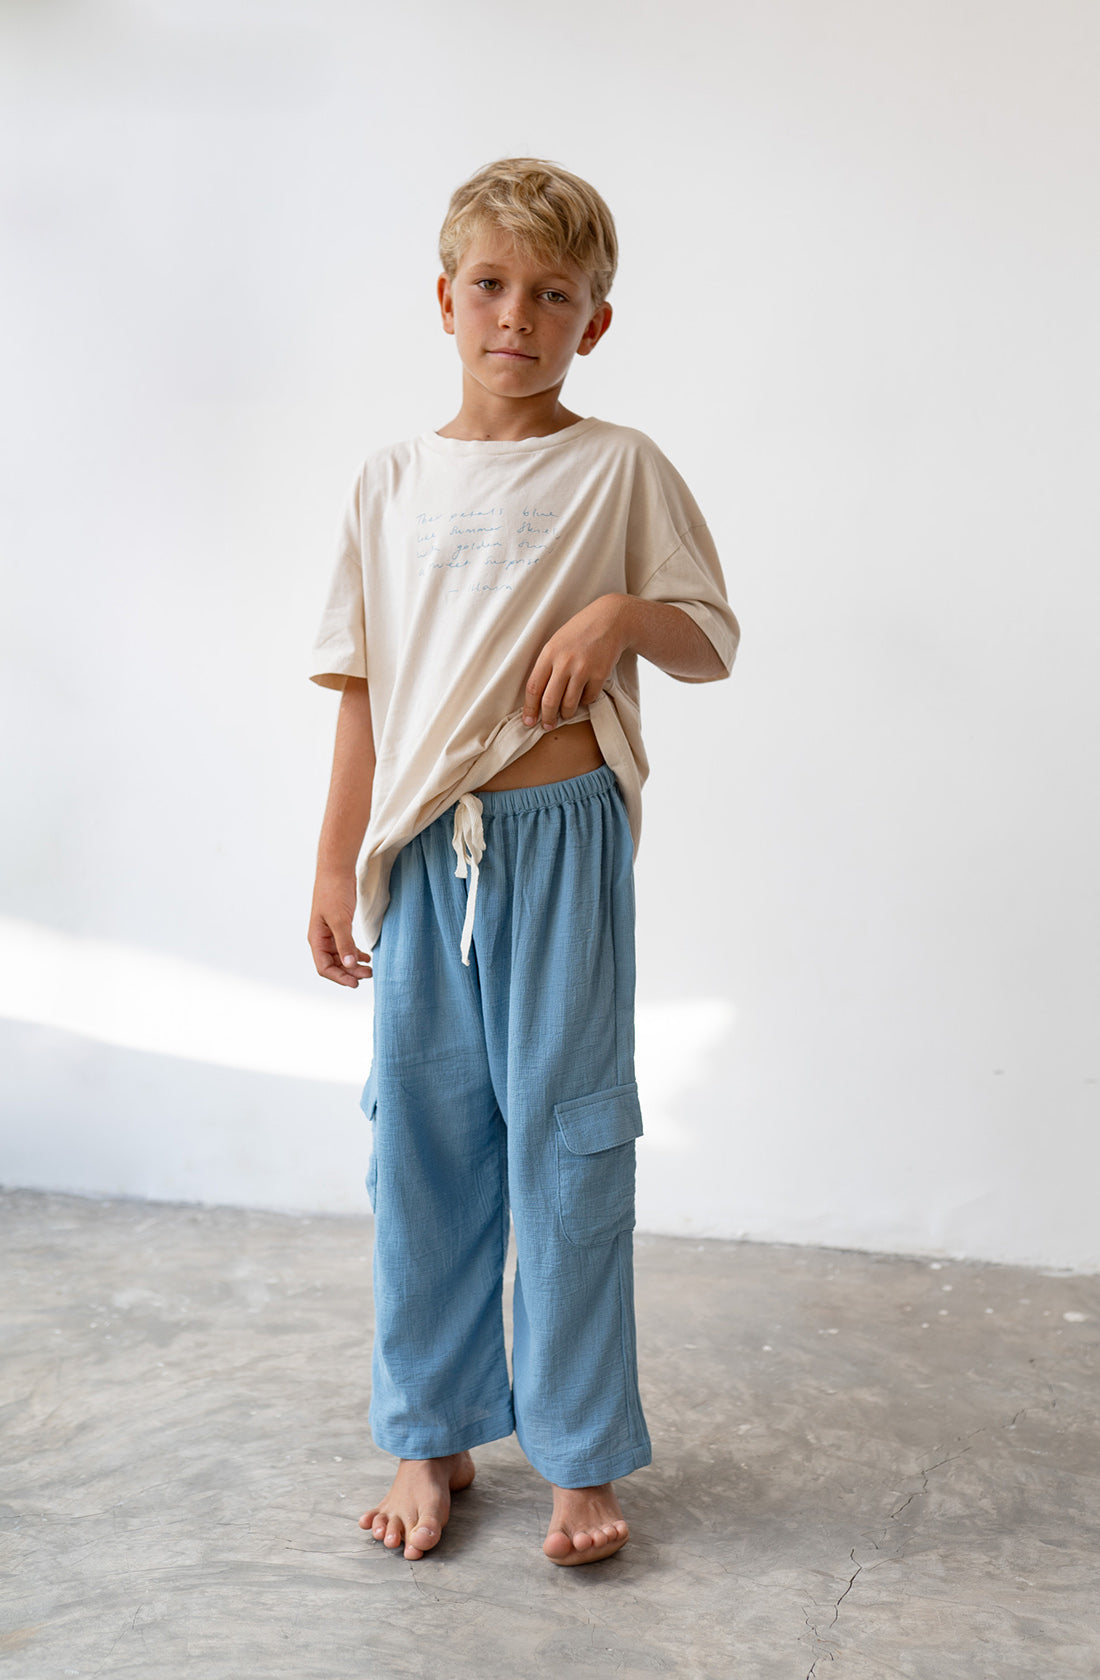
x: 517, y: 355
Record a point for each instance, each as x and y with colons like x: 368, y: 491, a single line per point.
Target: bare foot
x: 587, y: 1524
x: 418, y: 1504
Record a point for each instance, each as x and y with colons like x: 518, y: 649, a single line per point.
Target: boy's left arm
x: 578, y: 659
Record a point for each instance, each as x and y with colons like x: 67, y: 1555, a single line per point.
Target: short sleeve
x: 691, y: 579
x: 671, y: 555
x: 340, y: 645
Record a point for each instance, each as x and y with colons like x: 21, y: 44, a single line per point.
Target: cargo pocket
x: 368, y: 1102
x: 595, y: 1144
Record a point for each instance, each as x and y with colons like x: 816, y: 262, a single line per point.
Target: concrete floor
x: 865, y: 1467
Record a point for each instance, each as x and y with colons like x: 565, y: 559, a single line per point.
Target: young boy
x: 497, y: 580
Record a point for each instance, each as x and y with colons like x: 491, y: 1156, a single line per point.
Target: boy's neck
x: 489, y: 419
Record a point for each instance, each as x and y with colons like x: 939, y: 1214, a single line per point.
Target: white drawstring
x: 469, y: 845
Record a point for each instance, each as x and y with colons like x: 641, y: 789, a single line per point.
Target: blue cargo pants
x: 503, y: 1079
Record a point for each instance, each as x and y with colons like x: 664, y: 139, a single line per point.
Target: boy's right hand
x: 336, y: 956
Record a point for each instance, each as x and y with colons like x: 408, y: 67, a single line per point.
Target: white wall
x: 857, y: 307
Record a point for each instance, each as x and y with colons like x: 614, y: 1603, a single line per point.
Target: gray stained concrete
x: 865, y: 1466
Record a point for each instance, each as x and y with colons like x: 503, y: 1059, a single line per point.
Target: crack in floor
x: 924, y: 1472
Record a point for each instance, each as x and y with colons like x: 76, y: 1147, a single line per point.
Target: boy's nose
x: 514, y: 314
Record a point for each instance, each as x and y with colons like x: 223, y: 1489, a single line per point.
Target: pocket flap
x: 369, y: 1100
x: 601, y: 1121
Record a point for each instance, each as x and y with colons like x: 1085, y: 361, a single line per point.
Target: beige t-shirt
x: 458, y: 560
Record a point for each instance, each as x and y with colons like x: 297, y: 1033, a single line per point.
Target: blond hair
x: 547, y: 211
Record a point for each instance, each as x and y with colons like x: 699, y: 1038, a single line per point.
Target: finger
x: 343, y: 976
x: 360, y: 964
x: 552, y: 696
x: 347, y: 951
x: 532, y: 694
x: 354, y: 958
x: 574, y: 694
x: 346, y: 968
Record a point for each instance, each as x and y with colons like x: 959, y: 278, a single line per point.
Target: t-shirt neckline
x: 506, y: 446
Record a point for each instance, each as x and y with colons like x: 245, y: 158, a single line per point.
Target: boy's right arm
x: 345, y: 823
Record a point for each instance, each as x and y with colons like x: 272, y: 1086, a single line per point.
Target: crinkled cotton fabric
x: 509, y: 1084
x: 458, y: 560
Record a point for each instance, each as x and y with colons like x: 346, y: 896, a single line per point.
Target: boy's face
x: 518, y: 320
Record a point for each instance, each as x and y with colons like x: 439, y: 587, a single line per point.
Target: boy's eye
x: 488, y: 284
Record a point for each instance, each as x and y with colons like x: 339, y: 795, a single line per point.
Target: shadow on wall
x: 98, y: 1120
x: 132, y: 1072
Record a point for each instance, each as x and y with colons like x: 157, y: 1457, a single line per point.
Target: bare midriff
x: 569, y: 750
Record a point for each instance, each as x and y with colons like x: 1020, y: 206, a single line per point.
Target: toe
x: 586, y: 1545
x: 394, y: 1533
x: 424, y: 1535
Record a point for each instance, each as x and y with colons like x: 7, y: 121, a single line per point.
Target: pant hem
x: 438, y: 1443
x: 591, y: 1472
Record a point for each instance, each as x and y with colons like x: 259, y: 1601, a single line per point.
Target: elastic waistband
x: 573, y: 791
x: 468, y: 838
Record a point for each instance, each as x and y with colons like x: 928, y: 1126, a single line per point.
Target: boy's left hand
x: 576, y: 662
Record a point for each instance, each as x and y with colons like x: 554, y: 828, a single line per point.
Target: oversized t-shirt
x: 458, y: 560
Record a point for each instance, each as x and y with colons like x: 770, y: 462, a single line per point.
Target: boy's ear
x: 446, y: 303
x: 594, y: 331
